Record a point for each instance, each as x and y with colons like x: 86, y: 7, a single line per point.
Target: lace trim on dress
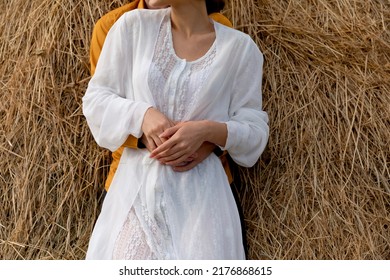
x: 131, y: 243
x: 175, y: 83
x: 156, y: 227
x: 143, y: 237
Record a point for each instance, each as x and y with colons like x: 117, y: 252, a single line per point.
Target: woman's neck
x: 190, y: 17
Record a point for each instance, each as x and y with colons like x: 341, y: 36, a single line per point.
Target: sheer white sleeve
x: 248, y: 124
x: 108, y: 104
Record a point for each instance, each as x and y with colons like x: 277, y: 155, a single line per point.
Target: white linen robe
x: 199, y: 209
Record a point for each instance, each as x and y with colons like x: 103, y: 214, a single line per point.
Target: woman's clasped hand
x: 153, y: 125
x: 179, y: 144
x: 183, y: 140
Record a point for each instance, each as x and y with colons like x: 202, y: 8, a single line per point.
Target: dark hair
x: 214, y: 6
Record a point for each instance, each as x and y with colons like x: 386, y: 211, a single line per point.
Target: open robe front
x: 189, y: 215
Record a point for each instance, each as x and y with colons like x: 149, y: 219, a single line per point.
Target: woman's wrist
x: 215, y: 132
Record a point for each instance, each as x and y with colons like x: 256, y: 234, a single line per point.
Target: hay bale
x: 321, y: 189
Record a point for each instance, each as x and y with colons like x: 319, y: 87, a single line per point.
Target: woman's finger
x: 173, y: 157
x: 169, y: 153
x: 183, y: 168
x: 157, y: 140
x: 163, y: 147
x: 178, y: 160
x: 151, y: 146
x: 169, y: 132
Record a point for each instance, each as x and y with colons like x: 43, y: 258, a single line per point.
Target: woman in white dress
x: 176, y: 79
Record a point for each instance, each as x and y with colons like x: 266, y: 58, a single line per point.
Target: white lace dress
x: 152, y: 212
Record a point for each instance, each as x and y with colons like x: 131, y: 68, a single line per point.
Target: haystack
x: 322, y: 187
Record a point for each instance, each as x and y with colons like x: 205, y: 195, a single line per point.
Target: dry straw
x: 321, y: 189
